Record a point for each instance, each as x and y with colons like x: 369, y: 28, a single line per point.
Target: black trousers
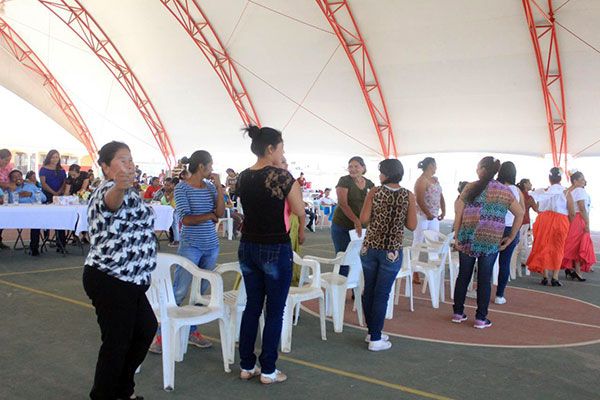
x: 127, y: 325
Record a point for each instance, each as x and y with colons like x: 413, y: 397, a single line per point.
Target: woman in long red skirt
x: 579, y: 249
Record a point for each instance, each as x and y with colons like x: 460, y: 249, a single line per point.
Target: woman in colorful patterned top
x: 388, y: 209
x: 117, y: 273
x: 550, y: 229
x: 430, y: 201
x: 579, y: 249
x: 479, y: 229
x: 351, y: 192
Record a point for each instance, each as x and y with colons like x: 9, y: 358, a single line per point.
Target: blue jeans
x: 204, y: 259
x: 485, y: 266
x: 341, y: 239
x: 267, y: 271
x: 380, y: 268
x: 504, y: 263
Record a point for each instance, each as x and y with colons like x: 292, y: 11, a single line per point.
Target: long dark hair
x: 262, y: 138
x: 49, y: 157
x: 491, y: 167
x: 392, y: 169
x: 198, y: 157
x: 507, y: 173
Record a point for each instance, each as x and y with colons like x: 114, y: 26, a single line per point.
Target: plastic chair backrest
x: 215, y: 280
x: 352, y: 259
x: 161, y: 283
x: 234, y: 267
x: 315, y: 267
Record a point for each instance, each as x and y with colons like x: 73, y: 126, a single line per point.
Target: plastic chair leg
x: 225, y: 347
x: 358, y: 306
x: 434, y: 286
x: 397, y: 284
x: 389, y: 311
x: 409, y: 289
x: 168, y: 360
x: 337, y: 297
x: 322, y: 318
x: 286, y: 329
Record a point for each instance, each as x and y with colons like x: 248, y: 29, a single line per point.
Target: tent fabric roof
x: 456, y: 76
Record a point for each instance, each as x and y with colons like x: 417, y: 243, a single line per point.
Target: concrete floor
x: 50, y: 341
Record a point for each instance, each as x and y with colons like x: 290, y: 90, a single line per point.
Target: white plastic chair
x: 297, y: 295
x: 227, y: 223
x: 437, y: 238
x: 434, y: 268
x: 234, y: 301
x: 405, y: 272
x: 336, y: 285
x: 176, y: 320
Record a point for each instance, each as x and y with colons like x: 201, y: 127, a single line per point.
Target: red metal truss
x: 191, y: 17
x: 76, y: 17
x: 542, y: 28
x: 17, y: 47
x: 342, y: 21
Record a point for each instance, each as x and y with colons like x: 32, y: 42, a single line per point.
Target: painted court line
x: 521, y: 314
x: 293, y: 360
x: 39, y: 271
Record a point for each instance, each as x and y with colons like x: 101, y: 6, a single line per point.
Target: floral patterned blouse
x: 433, y: 198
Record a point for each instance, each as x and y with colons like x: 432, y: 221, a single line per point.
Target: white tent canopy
x: 456, y: 75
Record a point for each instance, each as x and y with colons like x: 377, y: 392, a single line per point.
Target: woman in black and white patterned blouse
x: 117, y: 274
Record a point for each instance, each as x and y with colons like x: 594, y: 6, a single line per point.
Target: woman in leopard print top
x: 388, y: 209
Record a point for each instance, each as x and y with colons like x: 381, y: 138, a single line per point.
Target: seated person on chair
x: 26, y: 192
x: 152, y: 189
x: 77, y: 181
x: 233, y: 213
x: 327, y: 203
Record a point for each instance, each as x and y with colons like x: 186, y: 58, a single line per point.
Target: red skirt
x: 549, y: 235
x: 579, y: 246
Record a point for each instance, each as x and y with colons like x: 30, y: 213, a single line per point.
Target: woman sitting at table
x: 78, y: 181
x: 25, y: 192
x: 53, y: 179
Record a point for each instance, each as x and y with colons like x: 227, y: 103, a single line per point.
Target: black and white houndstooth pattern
x: 122, y: 243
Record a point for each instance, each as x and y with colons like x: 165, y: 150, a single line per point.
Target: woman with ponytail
x: 430, y: 201
x: 479, y: 229
x: 550, y: 229
x: 507, y: 176
x: 198, y: 206
x: 579, y: 249
x: 265, y: 252
x: 388, y: 209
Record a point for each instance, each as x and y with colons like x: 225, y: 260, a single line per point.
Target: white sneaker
x: 384, y: 337
x: 500, y: 300
x: 379, y: 345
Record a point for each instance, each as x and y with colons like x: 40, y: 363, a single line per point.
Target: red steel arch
x: 76, y: 17
x: 542, y: 28
x: 342, y: 21
x: 191, y: 17
x: 26, y: 56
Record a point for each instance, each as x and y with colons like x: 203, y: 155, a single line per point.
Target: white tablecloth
x: 37, y: 216
x: 163, y: 218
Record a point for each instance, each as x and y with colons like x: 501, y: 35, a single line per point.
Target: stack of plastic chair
x: 434, y: 268
x: 336, y: 285
x: 436, y: 238
x: 176, y: 320
x: 405, y: 272
x: 299, y: 294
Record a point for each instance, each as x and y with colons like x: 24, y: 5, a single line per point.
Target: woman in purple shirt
x: 53, y: 179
